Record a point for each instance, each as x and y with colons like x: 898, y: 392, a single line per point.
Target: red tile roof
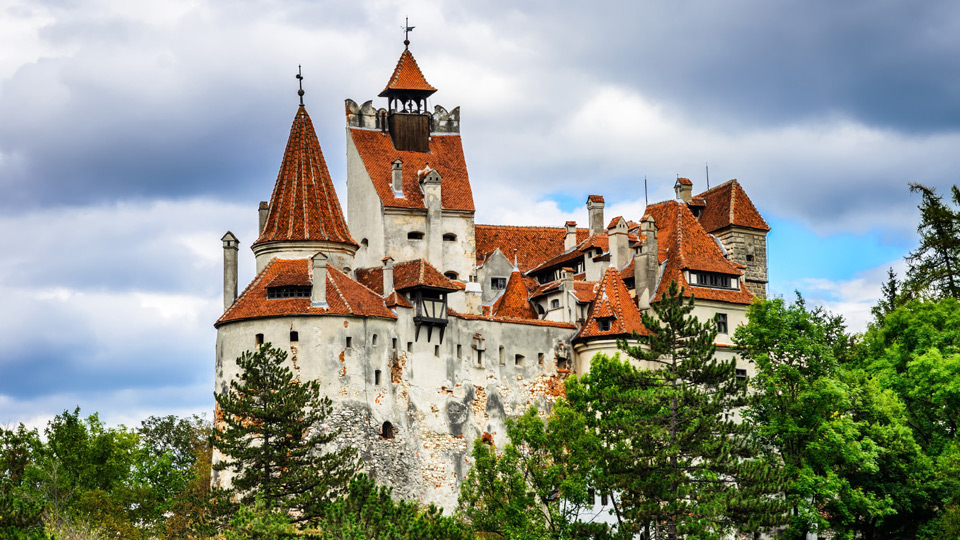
x: 344, y: 295
x: 533, y: 244
x: 513, y: 303
x: 304, y: 204
x: 395, y: 299
x: 445, y: 156
x: 407, y: 76
x: 684, y: 245
x: 487, y: 317
x: 728, y: 204
x: 612, y: 302
x: 684, y: 181
x: 407, y: 275
x: 595, y: 198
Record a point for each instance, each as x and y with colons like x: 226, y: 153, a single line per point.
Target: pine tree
x: 674, y: 457
x: 935, y: 264
x: 271, y: 432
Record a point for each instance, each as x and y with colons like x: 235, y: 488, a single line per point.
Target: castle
x: 427, y: 330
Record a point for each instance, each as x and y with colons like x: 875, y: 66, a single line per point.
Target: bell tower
x: 408, y: 120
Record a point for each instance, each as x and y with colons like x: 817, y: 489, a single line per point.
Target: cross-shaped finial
x: 300, y: 79
x: 406, y: 32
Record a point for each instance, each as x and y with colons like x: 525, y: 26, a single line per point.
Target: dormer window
x: 288, y: 291
x: 604, y: 324
x: 713, y: 280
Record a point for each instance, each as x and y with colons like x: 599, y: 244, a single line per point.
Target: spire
x: 407, y: 82
x: 514, y: 303
x: 300, y: 79
x: 304, y: 204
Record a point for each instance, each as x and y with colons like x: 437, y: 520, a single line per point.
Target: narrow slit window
x: 540, y: 358
x: 479, y: 358
x: 409, y: 346
x: 373, y: 340
x: 349, y: 342
x: 294, y: 336
x: 376, y: 377
x: 503, y: 358
x: 436, y: 351
x: 459, y: 355
x: 394, y: 344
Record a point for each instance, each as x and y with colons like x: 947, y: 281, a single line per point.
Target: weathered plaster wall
x: 364, y: 210
x: 497, y: 265
x: 438, y: 396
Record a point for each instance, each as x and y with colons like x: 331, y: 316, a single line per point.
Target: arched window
x: 364, y: 243
x: 414, y: 235
x: 449, y: 237
x: 387, y: 431
x: 451, y: 275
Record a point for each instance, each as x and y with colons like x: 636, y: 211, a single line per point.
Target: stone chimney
x: 570, y: 240
x: 595, y: 210
x: 646, y: 267
x: 387, y: 276
x: 684, y: 189
x: 619, y: 243
x: 474, y: 300
x: 230, y: 248
x: 397, y: 176
x: 430, y: 182
x: 567, y: 300
x: 264, y: 211
x: 318, y: 297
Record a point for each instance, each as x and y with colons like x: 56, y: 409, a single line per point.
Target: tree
x: 892, y: 296
x: 272, y: 436
x: 20, y: 514
x: 368, y: 512
x: 935, y: 264
x: 850, y: 461
x: 538, y: 486
x: 672, y: 451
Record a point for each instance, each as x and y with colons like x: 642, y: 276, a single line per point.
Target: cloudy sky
x: 134, y: 134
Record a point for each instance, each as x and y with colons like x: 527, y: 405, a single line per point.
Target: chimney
x: 387, y: 276
x: 264, y: 211
x: 646, y: 267
x: 595, y: 210
x: 318, y: 297
x: 566, y: 299
x: 570, y: 240
x: 430, y: 184
x: 684, y: 189
x: 398, y: 176
x: 230, y: 247
x: 619, y: 243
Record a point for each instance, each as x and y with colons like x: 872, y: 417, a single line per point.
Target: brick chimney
x: 646, y: 267
x: 387, y: 276
x: 570, y: 239
x: 684, y: 189
x: 318, y: 297
x: 595, y: 211
x: 230, y: 248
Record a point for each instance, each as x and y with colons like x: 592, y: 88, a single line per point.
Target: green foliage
x: 20, y: 513
x: 369, y: 512
x: 935, y: 264
x: 850, y: 459
x: 272, y: 436
x: 260, y: 521
x: 671, y: 452
x: 538, y: 486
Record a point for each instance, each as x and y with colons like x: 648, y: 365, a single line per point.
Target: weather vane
x: 300, y: 78
x: 406, y: 32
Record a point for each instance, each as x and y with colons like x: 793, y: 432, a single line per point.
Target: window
x: 294, y: 336
x: 259, y: 340
x: 288, y: 291
x: 518, y: 360
x: 436, y: 351
x: 503, y: 359
x: 540, y: 310
x: 498, y: 283
x: 394, y: 344
x: 479, y: 358
x: 749, y: 258
x: 409, y: 346
x: 449, y: 237
x: 741, y: 374
x: 373, y: 340
x: 721, y: 323
x: 712, y: 279
x: 387, y: 431
x: 603, y: 324
x: 603, y: 499
x: 554, y: 304
x: 376, y: 377
x: 451, y: 275
x: 540, y: 358
x: 459, y: 356
x: 592, y: 495
x: 415, y: 235
x: 349, y: 342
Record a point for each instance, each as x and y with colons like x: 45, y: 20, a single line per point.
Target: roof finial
x: 300, y: 78
x: 406, y: 32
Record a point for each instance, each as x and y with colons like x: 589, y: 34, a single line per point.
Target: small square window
x: 498, y: 283
x: 721, y: 319
x: 554, y: 304
x: 394, y: 344
x: 604, y: 325
x: 373, y: 340
x: 294, y: 336
x: 741, y: 374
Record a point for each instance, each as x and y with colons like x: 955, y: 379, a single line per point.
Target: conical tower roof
x: 304, y: 204
x: 407, y: 79
x: 514, y: 303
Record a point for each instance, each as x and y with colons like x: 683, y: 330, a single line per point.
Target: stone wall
x: 748, y: 247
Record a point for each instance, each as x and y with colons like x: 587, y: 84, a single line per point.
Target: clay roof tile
x: 407, y: 76
x: 513, y: 302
